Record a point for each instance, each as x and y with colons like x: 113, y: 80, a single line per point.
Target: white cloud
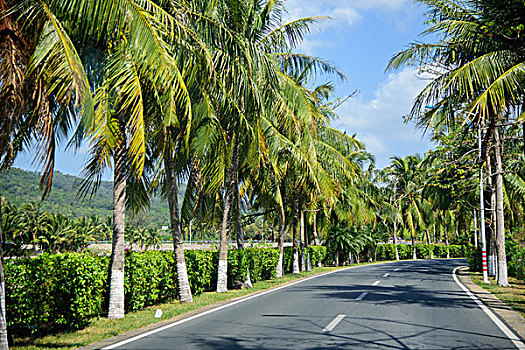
x: 344, y: 14
x: 379, y: 122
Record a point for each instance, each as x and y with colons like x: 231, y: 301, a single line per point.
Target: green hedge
x: 317, y: 253
x: 423, y: 251
x: 150, y: 278
x: 55, y: 290
x: 66, y: 290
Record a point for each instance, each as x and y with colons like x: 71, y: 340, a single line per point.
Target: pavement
x: 402, y: 305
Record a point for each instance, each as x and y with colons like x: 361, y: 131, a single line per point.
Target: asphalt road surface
x: 404, y: 305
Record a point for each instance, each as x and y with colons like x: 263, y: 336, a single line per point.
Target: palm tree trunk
x: 116, y: 284
x: 429, y: 242
x: 316, y: 238
x: 308, y: 261
x: 500, y: 214
x: 295, y: 243
x: 222, y: 272
x: 303, y: 260
x: 240, y: 234
x: 492, y: 231
x: 314, y: 232
x: 414, y: 255
x: 395, y: 226
x: 446, y: 241
x: 282, y: 227
x: 3, y: 321
x: 173, y: 202
x: 395, y: 241
x: 279, y: 269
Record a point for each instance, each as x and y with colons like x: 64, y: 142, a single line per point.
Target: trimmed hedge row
x: 55, y: 290
x: 423, y: 251
x: 66, y: 290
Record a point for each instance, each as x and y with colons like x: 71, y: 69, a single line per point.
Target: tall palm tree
x: 43, y: 85
x: 478, y: 66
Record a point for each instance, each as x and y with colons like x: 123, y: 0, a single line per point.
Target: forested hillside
x: 20, y: 187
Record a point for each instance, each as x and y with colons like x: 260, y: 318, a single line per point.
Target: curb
x: 511, y: 318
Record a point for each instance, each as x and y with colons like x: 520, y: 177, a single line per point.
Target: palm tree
x: 408, y: 177
x: 478, y: 65
x: 43, y: 81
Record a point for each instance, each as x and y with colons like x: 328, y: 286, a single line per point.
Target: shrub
x: 440, y: 251
x: 424, y: 251
x: 54, y: 291
x: 516, y: 264
x: 317, y: 253
x: 202, y: 269
x: 405, y: 251
x: 474, y: 260
x: 385, y: 252
x: 150, y: 278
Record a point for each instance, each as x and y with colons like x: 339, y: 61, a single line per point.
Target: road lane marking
x: 397, y: 269
x: 361, y: 296
x: 510, y: 334
x: 376, y: 283
x: 334, y: 323
x: 386, y: 275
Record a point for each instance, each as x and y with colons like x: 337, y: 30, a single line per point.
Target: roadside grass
x: 103, y: 328
x: 514, y: 296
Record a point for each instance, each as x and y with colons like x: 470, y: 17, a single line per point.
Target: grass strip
x: 513, y: 296
x: 102, y: 328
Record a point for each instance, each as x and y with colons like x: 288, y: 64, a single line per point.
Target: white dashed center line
x: 376, y: 283
x: 334, y: 323
x: 386, y: 275
x: 397, y: 269
x: 361, y: 296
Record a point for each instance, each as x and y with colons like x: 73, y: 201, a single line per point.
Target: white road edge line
x: 334, y: 323
x: 510, y: 334
x: 386, y: 275
x: 361, y: 296
x: 143, y: 335
x: 376, y: 283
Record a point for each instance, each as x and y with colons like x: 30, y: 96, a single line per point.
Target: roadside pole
x: 482, y: 212
x: 475, y: 230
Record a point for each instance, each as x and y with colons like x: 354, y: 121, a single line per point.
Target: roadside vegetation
x: 101, y: 328
x: 210, y: 106
x: 514, y: 296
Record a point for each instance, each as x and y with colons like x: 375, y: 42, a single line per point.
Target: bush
x: 441, y: 251
x: 388, y: 251
x: 55, y: 291
x: 474, y: 260
x: 317, y: 253
x: 150, y: 278
x: 516, y: 264
x: 60, y: 291
x: 424, y: 251
x: 385, y: 252
x: 405, y: 251
x: 202, y: 269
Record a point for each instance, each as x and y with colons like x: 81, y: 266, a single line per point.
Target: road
x: 403, y: 305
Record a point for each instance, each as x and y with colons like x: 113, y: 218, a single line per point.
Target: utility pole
x: 475, y: 230
x: 482, y: 211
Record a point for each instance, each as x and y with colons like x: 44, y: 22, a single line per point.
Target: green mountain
x: 19, y: 187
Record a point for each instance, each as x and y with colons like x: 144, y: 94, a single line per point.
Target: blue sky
x: 360, y: 39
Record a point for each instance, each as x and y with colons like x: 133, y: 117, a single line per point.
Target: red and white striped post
x: 482, y: 213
